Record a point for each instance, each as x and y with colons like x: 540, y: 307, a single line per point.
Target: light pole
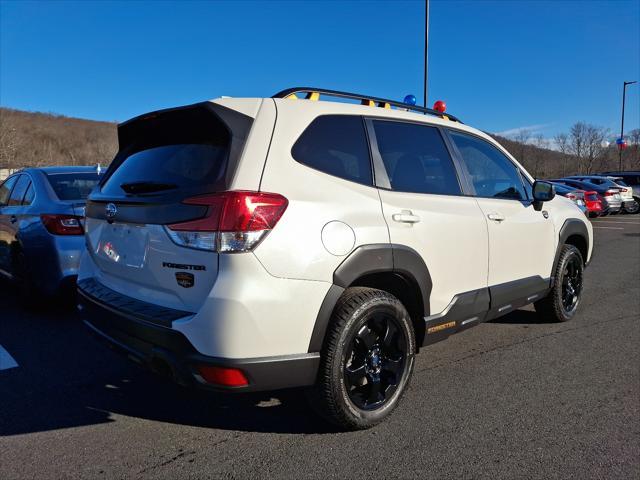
x: 426, y: 45
x: 620, y: 145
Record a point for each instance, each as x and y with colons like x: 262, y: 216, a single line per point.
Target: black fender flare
x: 366, y: 260
x: 571, y: 227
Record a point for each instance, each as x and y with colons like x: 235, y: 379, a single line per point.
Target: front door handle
x: 13, y: 219
x: 496, y: 217
x: 405, y: 216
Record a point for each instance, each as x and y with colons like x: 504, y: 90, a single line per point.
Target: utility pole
x: 621, y: 140
x: 426, y: 48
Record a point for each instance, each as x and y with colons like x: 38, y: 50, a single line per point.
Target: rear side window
x: 5, y: 190
x: 72, y: 186
x: 337, y: 145
x: 493, y: 175
x: 19, y: 190
x: 416, y: 158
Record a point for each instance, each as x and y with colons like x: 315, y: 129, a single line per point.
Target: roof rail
x: 314, y: 94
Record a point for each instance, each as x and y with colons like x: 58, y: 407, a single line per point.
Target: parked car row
x: 44, y: 208
x: 602, y: 194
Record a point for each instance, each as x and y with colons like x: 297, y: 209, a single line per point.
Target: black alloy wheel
x: 375, y: 361
x: 572, y: 284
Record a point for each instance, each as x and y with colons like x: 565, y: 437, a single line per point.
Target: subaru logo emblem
x: 110, y: 211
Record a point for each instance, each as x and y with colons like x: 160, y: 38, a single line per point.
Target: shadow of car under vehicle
x: 67, y: 379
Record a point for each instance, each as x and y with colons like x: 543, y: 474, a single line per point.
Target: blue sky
x: 499, y: 65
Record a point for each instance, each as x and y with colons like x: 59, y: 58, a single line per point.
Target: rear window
x: 592, y: 197
x: 169, y: 167
x: 72, y: 186
x: 337, y: 145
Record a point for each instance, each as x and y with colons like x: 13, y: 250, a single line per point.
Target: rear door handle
x: 405, y: 216
x: 496, y: 217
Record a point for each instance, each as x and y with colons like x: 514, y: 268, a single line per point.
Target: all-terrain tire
x: 561, y: 305
x: 364, y: 316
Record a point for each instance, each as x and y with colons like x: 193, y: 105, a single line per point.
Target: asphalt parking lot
x: 513, y: 398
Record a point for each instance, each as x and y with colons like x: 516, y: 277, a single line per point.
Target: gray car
x: 41, y: 227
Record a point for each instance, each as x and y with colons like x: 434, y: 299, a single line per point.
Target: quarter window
x: 28, y: 197
x: 492, y: 173
x: 337, y: 145
x: 416, y: 158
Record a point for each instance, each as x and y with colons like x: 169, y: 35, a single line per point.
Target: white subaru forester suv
x: 266, y: 243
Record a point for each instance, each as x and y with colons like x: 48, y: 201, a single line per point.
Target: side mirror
x: 542, y: 192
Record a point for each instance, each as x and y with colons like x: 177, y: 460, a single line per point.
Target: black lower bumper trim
x: 168, y: 352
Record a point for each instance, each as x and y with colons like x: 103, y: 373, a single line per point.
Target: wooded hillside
x: 38, y: 139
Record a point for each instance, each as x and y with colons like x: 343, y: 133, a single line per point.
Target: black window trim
x: 382, y: 178
x: 527, y: 201
x: 368, y: 142
x: 35, y: 193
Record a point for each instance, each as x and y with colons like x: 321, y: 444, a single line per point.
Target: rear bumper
x: 168, y: 352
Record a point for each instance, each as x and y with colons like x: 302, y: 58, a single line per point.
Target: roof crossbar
x: 364, y: 100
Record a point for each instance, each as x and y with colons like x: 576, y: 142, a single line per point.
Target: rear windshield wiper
x: 147, y: 187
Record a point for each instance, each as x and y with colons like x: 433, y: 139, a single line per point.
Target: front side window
x: 416, y: 158
x: 337, y: 145
x: 492, y: 173
x: 5, y: 190
x: 19, y: 190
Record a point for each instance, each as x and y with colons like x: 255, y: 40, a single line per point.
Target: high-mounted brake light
x: 235, y: 221
x: 62, y: 224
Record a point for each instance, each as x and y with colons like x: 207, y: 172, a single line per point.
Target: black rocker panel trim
x: 465, y: 310
x: 509, y: 296
x: 367, y: 260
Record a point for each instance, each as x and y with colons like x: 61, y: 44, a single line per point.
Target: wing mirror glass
x: 542, y: 192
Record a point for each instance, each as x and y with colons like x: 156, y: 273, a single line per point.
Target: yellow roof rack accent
x: 313, y: 96
x: 291, y: 96
x: 366, y: 100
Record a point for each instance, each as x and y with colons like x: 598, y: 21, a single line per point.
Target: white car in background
x: 247, y: 244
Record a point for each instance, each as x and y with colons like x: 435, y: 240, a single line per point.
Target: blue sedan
x: 41, y: 227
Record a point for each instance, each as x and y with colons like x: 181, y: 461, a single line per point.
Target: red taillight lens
x: 252, y: 211
x: 62, y: 224
x: 572, y: 196
x: 610, y: 193
x: 227, y: 377
x: 234, y: 222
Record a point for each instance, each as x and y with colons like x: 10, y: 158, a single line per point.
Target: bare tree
x: 588, y: 144
x: 522, y: 138
x: 562, y: 143
x: 538, y: 154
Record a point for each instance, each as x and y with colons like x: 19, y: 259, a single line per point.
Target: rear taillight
x: 610, y: 193
x: 572, y: 196
x: 234, y: 222
x: 62, y: 224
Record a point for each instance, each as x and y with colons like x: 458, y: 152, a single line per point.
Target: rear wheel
x: 562, y: 302
x: 632, y: 208
x: 367, y: 359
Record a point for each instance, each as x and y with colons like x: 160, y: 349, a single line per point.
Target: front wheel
x: 562, y: 302
x: 367, y: 359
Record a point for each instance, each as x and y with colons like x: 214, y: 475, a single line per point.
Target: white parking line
x: 623, y: 223
x: 611, y: 228
x: 6, y: 360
